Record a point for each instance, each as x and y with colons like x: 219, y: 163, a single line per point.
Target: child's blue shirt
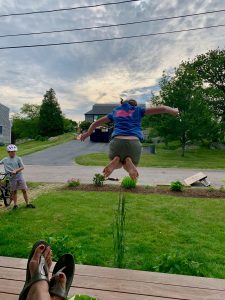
x: 127, y: 120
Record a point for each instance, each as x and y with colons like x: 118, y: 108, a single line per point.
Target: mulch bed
x: 187, y: 192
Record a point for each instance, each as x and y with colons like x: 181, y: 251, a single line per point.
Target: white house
x: 5, y: 125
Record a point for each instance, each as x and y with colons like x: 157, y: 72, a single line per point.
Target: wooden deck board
x: 116, y: 284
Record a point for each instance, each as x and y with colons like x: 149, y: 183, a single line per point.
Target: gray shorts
x: 125, y: 148
x: 17, y: 183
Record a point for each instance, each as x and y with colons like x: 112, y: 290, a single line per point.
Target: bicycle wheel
x: 6, y: 198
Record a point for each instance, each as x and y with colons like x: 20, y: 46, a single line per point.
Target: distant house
x: 100, y: 110
x: 5, y: 125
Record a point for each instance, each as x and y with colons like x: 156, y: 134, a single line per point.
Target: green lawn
x: 34, y: 146
x: 163, y: 233
x: 200, y: 158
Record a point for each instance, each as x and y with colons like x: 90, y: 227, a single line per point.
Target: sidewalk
x: 148, y: 176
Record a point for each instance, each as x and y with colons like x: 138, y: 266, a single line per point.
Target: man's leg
x: 14, y: 197
x: 25, y: 196
x: 113, y: 165
x: 39, y: 290
x: 130, y: 168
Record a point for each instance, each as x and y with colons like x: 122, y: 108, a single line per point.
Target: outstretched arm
x: 162, y: 110
x: 93, y: 126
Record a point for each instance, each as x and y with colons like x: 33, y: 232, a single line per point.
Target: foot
x: 61, y: 279
x: 39, y: 289
x: 34, y: 262
x: 114, y: 164
x: 15, y: 206
x: 131, y: 168
x: 30, y: 206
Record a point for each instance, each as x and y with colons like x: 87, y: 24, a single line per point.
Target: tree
x: 210, y: 68
x: 25, y: 124
x: 69, y: 125
x: 184, y: 91
x: 30, y: 111
x: 51, y: 118
x: 84, y: 125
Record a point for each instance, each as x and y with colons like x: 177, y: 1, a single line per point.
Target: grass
x: 163, y: 233
x: 199, y: 158
x: 34, y: 146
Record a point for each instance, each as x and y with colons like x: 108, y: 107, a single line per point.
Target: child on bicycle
x: 13, y: 166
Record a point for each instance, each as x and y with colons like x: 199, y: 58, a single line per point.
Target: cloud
x: 99, y: 72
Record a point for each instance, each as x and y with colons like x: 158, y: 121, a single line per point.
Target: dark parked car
x: 101, y: 135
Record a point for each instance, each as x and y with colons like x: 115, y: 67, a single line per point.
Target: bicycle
x: 5, y: 193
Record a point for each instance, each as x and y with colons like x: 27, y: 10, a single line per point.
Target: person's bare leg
x: 62, y: 280
x: 14, y: 197
x: 130, y: 168
x: 113, y: 165
x: 39, y: 290
x: 25, y: 196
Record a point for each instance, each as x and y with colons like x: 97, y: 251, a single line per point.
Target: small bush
x: 82, y: 297
x: 211, y: 189
x: 98, y: 180
x: 176, y: 186
x: 128, y: 183
x: 222, y: 188
x: 40, y: 138
x: 73, y: 182
x: 175, y: 263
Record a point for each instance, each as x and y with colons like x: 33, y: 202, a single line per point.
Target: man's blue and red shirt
x: 127, y: 120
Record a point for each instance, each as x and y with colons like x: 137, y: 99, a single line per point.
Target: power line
x: 111, y: 39
x: 65, y: 9
x: 112, y: 25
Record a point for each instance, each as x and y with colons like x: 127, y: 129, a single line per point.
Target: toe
x: 38, y: 252
x: 62, y: 279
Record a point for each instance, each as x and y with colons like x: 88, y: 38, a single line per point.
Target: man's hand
x: 14, y: 172
x: 84, y: 136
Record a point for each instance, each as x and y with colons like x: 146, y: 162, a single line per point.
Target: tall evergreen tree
x: 51, y: 118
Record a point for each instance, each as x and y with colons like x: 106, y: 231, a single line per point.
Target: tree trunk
x: 183, y: 144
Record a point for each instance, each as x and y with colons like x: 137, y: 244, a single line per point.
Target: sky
x: 85, y: 74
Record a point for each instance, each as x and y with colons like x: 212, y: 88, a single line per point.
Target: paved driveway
x: 64, y: 154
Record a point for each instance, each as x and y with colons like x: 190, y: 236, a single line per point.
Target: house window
x: 1, y: 130
x: 96, y: 117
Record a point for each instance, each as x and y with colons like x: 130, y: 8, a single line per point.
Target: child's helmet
x: 11, y: 148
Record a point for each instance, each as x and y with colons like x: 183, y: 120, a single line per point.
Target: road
x: 56, y: 164
x: 64, y: 154
x: 148, y: 176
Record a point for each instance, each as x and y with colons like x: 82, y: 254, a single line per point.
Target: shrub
x: 73, y: 182
x: 40, y: 138
x: 176, y: 186
x: 128, y: 183
x: 222, y: 189
x: 98, y: 180
x: 176, y: 263
x: 82, y: 297
x: 211, y: 189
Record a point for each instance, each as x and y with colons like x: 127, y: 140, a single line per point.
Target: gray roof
x: 104, y: 109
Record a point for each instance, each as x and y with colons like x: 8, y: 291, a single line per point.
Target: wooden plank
x: 131, y: 287
x: 195, y: 178
x: 16, y: 287
x: 8, y: 297
x: 122, y: 274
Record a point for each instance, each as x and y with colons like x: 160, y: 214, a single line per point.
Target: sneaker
x: 30, y: 205
x: 15, y: 206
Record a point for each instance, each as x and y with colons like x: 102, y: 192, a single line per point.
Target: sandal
x: 40, y: 274
x: 65, y: 265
